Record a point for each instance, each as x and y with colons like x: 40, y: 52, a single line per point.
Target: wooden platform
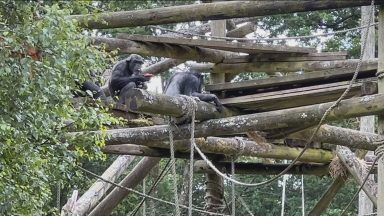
x: 296, y: 97
x: 250, y: 48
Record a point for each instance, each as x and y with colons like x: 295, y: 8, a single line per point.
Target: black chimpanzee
x: 190, y: 84
x: 127, y: 74
x: 91, y: 86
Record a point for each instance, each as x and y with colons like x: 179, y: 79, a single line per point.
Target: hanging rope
x: 233, y: 187
x: 302, y: 196
x: 283, y: 193
x: 173, y: 167
x: 144, y: 192
x: 192, y: 152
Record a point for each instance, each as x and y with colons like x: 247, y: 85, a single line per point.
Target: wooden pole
x: 214, y: 185
x: 90, y: 198
x: 380, y: 82
x: 135, y: 177
x: 208, y: 11
x: 307, y: 116
x: 367, y: 123
x: 139, y: 100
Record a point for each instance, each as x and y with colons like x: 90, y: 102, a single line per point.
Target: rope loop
x: 379, y: 152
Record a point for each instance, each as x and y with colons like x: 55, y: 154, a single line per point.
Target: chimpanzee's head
x: 134, y: 63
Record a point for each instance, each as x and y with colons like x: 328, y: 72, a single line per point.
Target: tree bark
x: 265, y: 169
x: 307, y: 116
x: 209, y: 11
x: 139, y: 100
x: 226, y: 146
x: 135, y: 177
x: 90, y: 198
x: 354, y: 167
x: 341, y: 136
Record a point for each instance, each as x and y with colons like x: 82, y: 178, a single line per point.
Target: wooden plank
x: 292, y: 97
x: 325, y: 56
x: 269, y: 67
x: 367, y: 68
x: 218, y: 44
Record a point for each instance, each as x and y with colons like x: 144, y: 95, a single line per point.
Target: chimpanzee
x: 97, y: 92
x: 190, y: 84
x: 127, y: 74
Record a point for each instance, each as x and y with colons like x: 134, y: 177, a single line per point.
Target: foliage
x: 35, y: 97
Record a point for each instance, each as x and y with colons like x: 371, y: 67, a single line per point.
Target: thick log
x: 302, y: 116
x: 136, y: 176
x: 97, y: 191
x: 139, y: 100
x: 264, y: 169
x: 243, y: 30
x: 208, y: 11
x: 227, y: 146
x: 342, y: 136
x: 354, y: 167
x: 155, y: 49
x: 139, y: 150
x: 268, y: 67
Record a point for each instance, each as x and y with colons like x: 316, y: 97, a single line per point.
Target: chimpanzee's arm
x: 209, y: 98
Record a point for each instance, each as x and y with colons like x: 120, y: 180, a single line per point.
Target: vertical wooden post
x: 214, y: 194
x: 218, y: 29
x: 367, y: 123
x: 380, y: 83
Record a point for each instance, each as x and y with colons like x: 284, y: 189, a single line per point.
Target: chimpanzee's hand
x: 142, y: 78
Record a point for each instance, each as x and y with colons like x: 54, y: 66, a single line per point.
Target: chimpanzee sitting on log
x: 190, y: 84
x: 127, y: 74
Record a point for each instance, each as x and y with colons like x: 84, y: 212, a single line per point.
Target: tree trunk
x: 135, y: 177
x: 209, y: 11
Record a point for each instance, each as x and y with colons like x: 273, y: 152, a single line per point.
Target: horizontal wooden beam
x: 139, y: 100
x: 170, y: 51
x: 208, y: 11
x: 289, y: 98
x: 223, y: 146
x: 303, y: 116
x: 218, y: 44
x: 343, y: 73
x: 268, y: 67
x: 264, y: 169
x: 341, y: 136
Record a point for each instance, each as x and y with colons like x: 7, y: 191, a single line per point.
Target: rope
x: 157, y: 181
x: 283, y: 193
x: 242, y: 202
x: 233, y: 187
x: 144, y: 192
x: 302, y: 196
x: 147, y: 196
x: 325, y: 115
x: 173, y: 167
x: 264, y: 39
x: 381, y: 153
x: 192, y: 143
x: 58, y: 196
